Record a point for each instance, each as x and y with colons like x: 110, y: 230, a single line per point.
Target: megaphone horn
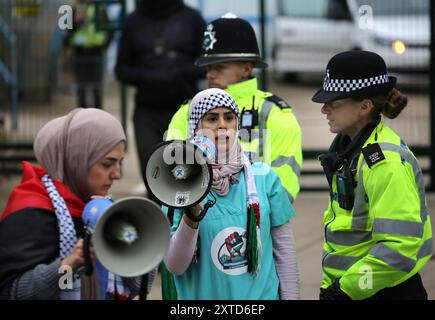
x: 179, y: 174
x: 130, y: 236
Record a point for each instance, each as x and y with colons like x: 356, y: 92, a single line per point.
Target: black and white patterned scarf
x: 67, y: 234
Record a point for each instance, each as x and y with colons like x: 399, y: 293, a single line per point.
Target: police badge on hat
x: 327, y: 76
x: 209, y: 38
x: 237, y: 42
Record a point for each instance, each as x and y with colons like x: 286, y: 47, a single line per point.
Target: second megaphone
x: 130, y: 236
x: 179, y: 173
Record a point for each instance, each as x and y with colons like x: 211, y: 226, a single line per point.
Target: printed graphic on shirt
x: 228, y: 251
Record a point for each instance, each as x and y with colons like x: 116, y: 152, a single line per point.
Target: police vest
x: 386, y: 236
x: 87, y: 35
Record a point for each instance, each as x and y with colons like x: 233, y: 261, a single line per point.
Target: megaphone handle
x: 89, y: 267
x: 203, y: 212
x: 171, y: 215
x: 143, y: 287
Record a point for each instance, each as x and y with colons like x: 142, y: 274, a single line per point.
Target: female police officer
x: 377, y: 227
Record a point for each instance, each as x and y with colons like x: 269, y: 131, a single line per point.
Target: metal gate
x: 36, y: 83
x: 411, y: 59
x: 36, y: 73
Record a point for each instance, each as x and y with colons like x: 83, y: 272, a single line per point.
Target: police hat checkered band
x: 348, y: 85
x: 207, y: 100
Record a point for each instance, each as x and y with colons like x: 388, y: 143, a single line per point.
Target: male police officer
x: 270, y: 131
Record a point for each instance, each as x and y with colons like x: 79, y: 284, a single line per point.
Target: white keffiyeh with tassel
x: 67, y: 234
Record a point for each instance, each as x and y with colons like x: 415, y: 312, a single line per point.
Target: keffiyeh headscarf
x: 228, y: 164
x: 224, y: 171
x: 207, y: 100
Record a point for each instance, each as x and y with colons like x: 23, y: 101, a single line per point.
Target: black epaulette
x: 373, y: 154
x: 278, y: 101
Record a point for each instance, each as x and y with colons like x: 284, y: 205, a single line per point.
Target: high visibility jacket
x: 86, y: 35
x: 276, y: 140
x: 386, y: 237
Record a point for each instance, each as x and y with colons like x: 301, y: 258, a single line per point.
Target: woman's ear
x: 248, y: 67
x: 366, y: 106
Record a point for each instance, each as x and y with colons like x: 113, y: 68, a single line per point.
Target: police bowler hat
x: 230, y: 38
x: 354, y: 73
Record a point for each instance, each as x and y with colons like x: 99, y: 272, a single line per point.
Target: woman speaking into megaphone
x: 243, y: 248
x: 79, y: 155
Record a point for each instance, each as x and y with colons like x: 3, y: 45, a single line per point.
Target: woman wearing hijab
x: 244, y: 247
x: 79, y: 156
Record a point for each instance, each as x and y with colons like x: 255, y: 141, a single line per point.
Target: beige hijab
x: 68, y: 146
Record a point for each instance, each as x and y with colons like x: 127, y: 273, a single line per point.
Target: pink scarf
x: 225, y: 167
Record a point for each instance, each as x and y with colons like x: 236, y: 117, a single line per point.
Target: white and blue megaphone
x: 130, y: 236
x: 179, y: 173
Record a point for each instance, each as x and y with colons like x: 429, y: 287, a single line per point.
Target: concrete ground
x: 309, y: 205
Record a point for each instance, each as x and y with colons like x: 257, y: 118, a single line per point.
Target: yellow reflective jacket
x: 386, y: 237
x: 278, y: 144
x: 86, y: 35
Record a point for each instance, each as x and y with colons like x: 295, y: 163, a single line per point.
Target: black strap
x: 203, y: 212
x: 171, y: 215
x: 279, y: 102
x: 89, y: 267
x: 143, y: 287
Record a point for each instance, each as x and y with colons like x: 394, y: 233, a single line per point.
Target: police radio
x: 249, y: 118
x: 345, y: 186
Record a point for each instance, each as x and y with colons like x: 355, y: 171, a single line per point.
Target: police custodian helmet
x: 230, y: 38
x: 354, y: 73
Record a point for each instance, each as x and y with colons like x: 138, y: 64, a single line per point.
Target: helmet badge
x: 209, y: 38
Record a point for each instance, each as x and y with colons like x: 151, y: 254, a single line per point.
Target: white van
x: 307, y: 33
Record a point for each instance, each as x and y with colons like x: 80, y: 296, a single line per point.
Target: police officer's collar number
x: 373, y: 154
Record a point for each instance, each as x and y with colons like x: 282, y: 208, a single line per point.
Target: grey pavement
x: 309, y: 206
